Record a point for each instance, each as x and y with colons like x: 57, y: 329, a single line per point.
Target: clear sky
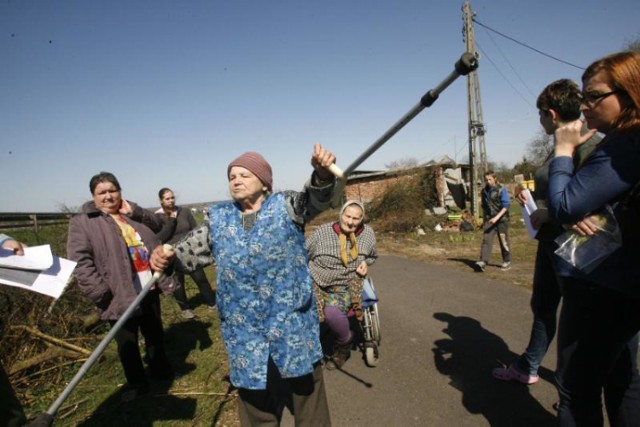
x: 167, y: 93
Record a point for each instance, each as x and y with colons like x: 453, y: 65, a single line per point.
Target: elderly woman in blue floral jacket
x: 266, y: 303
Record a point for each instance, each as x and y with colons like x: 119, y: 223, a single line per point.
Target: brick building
x: 366, y: 186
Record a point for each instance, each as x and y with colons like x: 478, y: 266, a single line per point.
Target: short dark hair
x: 562, y: 96
x: 103, y: 177
x: 162, y: 191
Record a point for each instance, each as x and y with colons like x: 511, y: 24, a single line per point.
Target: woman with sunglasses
x: 600, y: 317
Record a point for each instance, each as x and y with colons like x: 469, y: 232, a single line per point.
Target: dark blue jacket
x: 606, y: 177
x: 495, y: 198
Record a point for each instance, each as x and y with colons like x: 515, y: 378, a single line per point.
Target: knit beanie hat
x: 257, y: 165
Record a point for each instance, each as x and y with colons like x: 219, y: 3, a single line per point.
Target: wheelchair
x: 370, y: 324
x: 366, y: 332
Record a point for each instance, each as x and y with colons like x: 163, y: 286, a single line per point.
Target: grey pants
x: 200, y: 279
x: 305, y: 396
x: 501, y: 229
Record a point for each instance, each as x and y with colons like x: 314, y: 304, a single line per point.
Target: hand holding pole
x: 47, y: 418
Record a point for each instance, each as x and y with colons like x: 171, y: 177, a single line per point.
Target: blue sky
x: 166, y: 93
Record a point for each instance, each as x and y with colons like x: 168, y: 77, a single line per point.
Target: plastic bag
x: 587, y: 252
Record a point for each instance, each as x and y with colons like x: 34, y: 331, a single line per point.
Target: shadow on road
x: 471, y: 263
x: 468, y: 357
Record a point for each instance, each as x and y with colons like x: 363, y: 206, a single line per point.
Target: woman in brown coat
x: 111, y: 241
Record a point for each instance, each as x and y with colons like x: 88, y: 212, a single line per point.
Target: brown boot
x: 340, y: 356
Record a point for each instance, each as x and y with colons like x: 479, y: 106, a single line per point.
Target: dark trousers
x: 200, y: 279
x: 545, y: 300
x: 306, y: 394
x: 597, y: 351
x: 149, y: 322
x: 501, y: 230
x: 11, y: 413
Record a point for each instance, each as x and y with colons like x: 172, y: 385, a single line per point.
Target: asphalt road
x: 443, y: 331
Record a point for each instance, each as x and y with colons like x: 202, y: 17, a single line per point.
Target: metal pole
x: 466, y: 64
x: 46, y: 419
x: 476, y: 125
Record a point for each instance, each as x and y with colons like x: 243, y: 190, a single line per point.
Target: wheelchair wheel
x: 375, y: 324
x: 371, y: 354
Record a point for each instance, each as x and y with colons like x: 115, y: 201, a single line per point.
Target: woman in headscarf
x: 340, y: 254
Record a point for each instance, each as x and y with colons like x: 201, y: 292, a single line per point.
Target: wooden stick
x: 70, y: 409
x: 53, y: 340
x: 23, y: 379
x: 46, y: 355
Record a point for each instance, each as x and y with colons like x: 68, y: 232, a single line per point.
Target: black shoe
x: 131, y: 392
x: 341, y: 355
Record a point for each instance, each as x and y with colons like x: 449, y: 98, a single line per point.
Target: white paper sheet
x: 34, y: 258
x: 51, y: 281
x: 529, y: 208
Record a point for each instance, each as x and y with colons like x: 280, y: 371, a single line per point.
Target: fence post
x: 34, y: 218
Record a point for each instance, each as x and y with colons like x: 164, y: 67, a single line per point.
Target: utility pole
x: 477, y: 151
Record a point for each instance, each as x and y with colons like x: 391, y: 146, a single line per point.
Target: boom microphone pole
x: 46, y: 419
x: 467, y: 63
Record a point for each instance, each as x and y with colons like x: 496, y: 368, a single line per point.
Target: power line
x: 526, y: 45
x: 510, y: 64
x: 502, y: 74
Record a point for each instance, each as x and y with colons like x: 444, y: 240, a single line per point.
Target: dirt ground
x: 462, y: 250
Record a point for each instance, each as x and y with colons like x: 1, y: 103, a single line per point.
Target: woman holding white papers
x: 11, y: 411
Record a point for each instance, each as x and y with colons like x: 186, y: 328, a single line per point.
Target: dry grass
x: 461, y: 250
x: 202, y: 395
x: 454, y: 248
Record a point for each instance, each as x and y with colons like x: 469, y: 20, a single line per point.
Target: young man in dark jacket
x: 495, y: 206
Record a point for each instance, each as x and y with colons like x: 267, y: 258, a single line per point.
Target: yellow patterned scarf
x: 343, y: 248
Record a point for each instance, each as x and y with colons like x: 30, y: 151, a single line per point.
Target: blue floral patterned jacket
x: 265, y: 299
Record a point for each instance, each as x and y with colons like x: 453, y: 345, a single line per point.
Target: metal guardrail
x: 35, y: 220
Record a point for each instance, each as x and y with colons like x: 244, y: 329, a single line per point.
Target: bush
x: 402, y: 206
x: 33, y: 363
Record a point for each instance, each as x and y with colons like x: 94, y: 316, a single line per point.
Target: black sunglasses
x: 591, y: 98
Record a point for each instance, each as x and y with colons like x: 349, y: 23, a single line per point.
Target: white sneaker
x: 188, y: 314
x: 480, y: 265
x: 505, y: 266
